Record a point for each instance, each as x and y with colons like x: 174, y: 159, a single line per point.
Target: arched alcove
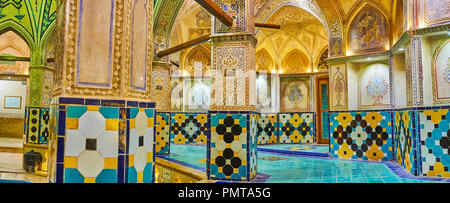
x: 374, y: 86
x: 264, y: 61
x: 368, y: 31
x: 11, y: 44
x: 322, y: 65
x: 295, y: 62
x: 197, y: 61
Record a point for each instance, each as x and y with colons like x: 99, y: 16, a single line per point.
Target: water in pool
x: 298, y: 147
x: 297, y: 169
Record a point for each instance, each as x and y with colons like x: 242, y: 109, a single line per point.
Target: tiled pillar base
x: 102, y: 141
x: 406, y: 140
x: 162, y: 133
x: 36, y: 134
x: 232, y: 146
x: 189, y: 128
x: 268, y: 129
x: 297, y: 128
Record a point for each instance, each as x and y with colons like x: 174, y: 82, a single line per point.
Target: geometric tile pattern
x: 435, y: 142
x: 36, y: 126
x: 140, y: 139
x: 189, y: 128
x: 297, y: 128
x: 361, y: 135
x: 405, y: 141
x: 162, y: 133
x: 103, y: 141
x: 91, y: 144
x: 253, y: 145
x: 267, y: 129
x: 232, y: 147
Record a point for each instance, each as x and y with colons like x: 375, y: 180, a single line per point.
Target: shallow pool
x: 299, y: 169
x: 308, y: 148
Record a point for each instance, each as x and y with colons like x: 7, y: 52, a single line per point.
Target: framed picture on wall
x: 12, y: 102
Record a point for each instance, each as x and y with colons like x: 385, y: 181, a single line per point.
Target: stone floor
x: 11, y: 157
x: 10, y: 143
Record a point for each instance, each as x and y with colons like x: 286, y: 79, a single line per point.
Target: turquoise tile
x: 76, y: 111
x: 133, y: 112
x: 107, y: 176
x: 148, y: 173
x: 303, y: 169
x: 132, y: 175
x: 109, y: 112
x: 72, y: 175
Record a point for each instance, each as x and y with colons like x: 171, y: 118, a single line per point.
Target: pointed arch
x: 368, y: 31
x: 264, y: 61
x: 12, y: 44
x: 320, y: 61
x: 195, y: 55
x: 19, y: 30
x: 295, y: 62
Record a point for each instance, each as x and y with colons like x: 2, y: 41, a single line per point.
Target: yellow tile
x: 132, y: 123
x: 236, y: 122
x: 446, y: 175
x: 140, y: 177
x: 220, y: 153
x: 244, y: 130
x: 72, y: 123
x: 235, y: 170
x: 71, y: 162
x: 131, y: 160
x: 149, y: 157
x: 219, y: 170
x: 110, y: 163
x: 141, y: 110
x: 244, y: 162
x: 236, y: 154
x: 228, y: 145
x: 220, y: 121
x: 93, y: 108
x: 112, y: 124
x: 89, y: 180
x: 150, y: 123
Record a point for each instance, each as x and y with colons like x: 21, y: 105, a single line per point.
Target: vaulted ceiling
x: 334, y: 15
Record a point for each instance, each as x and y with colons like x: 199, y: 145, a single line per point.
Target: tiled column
x: 102, y: 113
x: 232, y: 153
x: 36, y: 126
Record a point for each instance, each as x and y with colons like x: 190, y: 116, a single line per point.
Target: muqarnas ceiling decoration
x: 368, y: 32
